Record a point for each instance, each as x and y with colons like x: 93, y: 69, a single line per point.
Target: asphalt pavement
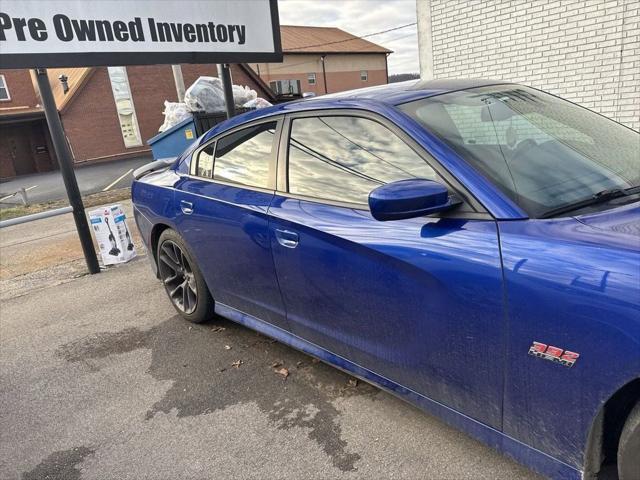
x: 44, y: 187
x: 100, y: 379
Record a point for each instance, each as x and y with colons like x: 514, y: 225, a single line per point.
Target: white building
x: 587, y: 51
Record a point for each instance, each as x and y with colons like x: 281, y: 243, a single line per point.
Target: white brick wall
x: 587, y: 51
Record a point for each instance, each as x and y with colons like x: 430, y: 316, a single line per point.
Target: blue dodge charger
x: 471, y: 246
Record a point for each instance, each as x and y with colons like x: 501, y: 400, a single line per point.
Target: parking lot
x: 100, y: 379
x: 46, y: 187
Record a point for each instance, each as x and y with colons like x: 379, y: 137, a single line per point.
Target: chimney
x: 63, y: 80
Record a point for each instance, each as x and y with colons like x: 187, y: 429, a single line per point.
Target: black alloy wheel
x: 178, y: 277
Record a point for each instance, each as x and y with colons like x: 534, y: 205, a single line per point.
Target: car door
x: 223, y: 205
x: 418, y: 301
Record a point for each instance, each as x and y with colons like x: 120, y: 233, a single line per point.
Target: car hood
x: 619, y: 225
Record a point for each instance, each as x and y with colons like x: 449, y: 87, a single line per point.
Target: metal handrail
x: 36, y: 216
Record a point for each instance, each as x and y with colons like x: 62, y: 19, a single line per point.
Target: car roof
x: 402, y: 92
x: 389, y: 94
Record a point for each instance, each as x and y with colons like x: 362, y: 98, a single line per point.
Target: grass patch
x: 93, y: 200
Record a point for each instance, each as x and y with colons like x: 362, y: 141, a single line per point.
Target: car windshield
x: 543, y: 152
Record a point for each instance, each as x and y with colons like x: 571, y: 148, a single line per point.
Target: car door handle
x: 287, y: 238
x: 186, y: 207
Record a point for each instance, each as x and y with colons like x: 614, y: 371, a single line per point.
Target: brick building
x: 585, y: 50
x: 108, y: 113
x: 315, y: 54
x: 25, y: 144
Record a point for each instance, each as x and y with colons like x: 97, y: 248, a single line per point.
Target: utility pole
x: 225, y: 75
x: 179, y: 81
x: 425, y: 39
x: 66, y: 169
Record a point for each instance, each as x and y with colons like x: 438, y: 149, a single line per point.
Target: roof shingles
x: 75, y: 79
x: 295, y: 39
x: 304, y: 39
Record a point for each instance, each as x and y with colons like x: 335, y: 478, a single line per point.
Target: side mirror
x: 409, y: 199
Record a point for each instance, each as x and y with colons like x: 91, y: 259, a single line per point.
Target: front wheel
x: 182, y: 278
x: 629, y: 447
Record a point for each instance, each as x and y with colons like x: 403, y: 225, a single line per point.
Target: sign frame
x: 97, y: 59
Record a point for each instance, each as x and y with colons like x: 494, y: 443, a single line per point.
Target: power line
x: 317, y: 59
x: 351, y: 39
x: 401, y: 37
x: 365, y: 150
x: 413, y: 34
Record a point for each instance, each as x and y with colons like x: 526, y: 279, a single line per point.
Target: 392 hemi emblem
x: 553, y: 354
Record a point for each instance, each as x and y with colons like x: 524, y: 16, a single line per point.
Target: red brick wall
x: 20, y: 88
x: 190, y: 73
x: 91, y: 120
x: 150, y: 86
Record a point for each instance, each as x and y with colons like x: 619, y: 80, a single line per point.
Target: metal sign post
x: 85, y: 33
x: 66, y: 168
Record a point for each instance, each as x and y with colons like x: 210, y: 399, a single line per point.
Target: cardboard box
x: 110, y: 228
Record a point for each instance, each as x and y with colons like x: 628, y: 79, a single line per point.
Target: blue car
x: 472, y: 247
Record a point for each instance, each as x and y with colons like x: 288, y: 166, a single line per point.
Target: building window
x: 286, y: 87
x: 364, y: 75
x: 311, y: 78
x: 4, y: 91
x: 124, y: 105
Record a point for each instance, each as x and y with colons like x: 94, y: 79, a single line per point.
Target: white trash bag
x: 257, y: 103
x: 242, y: 95
x: 174, y: 113
x: 205, y: 95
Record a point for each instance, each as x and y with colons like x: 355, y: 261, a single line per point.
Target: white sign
x: 57, y: 33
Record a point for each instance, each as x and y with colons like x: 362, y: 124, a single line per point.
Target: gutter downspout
x: 324, y: 72
x: 179, y: 81
x: 386, y: 66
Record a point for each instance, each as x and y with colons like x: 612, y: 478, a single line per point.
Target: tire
x: 182, y: 279
x: 629, y: 447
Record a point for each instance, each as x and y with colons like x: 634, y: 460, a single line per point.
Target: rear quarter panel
x: 153, y: 201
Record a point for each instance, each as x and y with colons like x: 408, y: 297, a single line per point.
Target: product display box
x: 110, y: 228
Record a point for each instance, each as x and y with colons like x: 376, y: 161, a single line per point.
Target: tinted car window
x: 543, y: 152
x: 344, y: 158
x: 244, y: 156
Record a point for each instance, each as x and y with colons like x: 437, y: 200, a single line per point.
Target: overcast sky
x: 361, y: 17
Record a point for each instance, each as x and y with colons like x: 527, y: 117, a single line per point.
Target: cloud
x: 361, y: 18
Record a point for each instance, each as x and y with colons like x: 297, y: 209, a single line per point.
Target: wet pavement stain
x: 103, y: 344
x: 195, y: 359
x: 62, y: 465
